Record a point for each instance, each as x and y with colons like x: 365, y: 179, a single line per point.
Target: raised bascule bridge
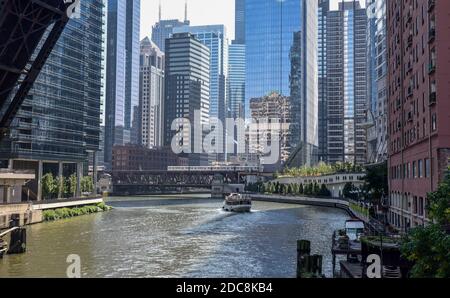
x: 29, y: 30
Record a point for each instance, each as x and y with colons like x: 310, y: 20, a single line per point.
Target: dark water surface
x: 178, y: 237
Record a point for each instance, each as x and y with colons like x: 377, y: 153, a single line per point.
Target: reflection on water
x: 178, y: 237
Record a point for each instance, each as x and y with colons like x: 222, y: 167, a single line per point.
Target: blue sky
x: 200, y: 12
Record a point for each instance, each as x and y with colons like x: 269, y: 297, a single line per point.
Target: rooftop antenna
x: 185, y: 11
x: 160, y: 10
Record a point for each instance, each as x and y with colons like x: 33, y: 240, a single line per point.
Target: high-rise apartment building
x: 59, y: 121
x: 215, y: 38
x: 122, y: 124
x: 376, y: 80
x: 151, y: 94
x: 163, y: 29
x: 347, y: 83
x: 323, y: 9
x: 419, y: 105
x: 187, y: 91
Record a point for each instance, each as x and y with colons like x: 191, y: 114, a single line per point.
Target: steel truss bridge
x: 29, y: 30
x: 146, y: 182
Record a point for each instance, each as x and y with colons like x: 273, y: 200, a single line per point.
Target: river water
x: 178, y: 237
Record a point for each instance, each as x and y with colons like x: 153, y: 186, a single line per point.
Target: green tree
x: 324, y: 192
x: 72, y: 185
x: 350, y: 191
x: 87, y: 185
x: 429, y: 247
x: 49, y: 187
x: 376, y: 182
x: 316, y: 189
x: 301, y: 189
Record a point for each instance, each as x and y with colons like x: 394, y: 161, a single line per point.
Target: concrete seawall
x: 321, y: 202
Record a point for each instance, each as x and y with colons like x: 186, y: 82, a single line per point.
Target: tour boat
x: 237, y: 203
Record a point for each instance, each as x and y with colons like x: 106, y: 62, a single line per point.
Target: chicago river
x: 173, y: 236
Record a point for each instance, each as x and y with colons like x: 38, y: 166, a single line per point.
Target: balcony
x: 410, y: 40
x: 433, y: 98
x: 432, y: 67
x: 431, y: 4
x: 432, y: 35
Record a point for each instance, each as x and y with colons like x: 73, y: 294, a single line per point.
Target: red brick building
x: 419, y: 105
x: 137, y: 158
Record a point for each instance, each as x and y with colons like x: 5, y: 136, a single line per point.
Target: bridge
x: 147, y: 182
x: 29, y: 30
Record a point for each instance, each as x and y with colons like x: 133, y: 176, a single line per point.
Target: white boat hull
x: 237, y: 208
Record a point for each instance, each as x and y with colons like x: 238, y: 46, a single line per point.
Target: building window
x: 434, y: 122
x: 427, y: 168
x: 420, y: 168
x: 414, y: 170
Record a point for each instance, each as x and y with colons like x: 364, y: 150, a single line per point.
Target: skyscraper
x: 269, y: 35
x: 419, y: 105
x: 376, y: 79
x: 151, y: 94
x: 236, y: 78
x: 163, y: 29
x: 239, y: 21
x: 187, y: 91
x: 324, y: 8
x: 303, y: 85
x: 59, y: 121
x: 347, y: 83
x: 281, y: 56
x: 215, y: 38
x: 122, y: 122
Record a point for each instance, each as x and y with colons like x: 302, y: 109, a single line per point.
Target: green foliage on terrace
x: 293, y: 189
x: 429, y: 247
x: 360, y: 209
x: 322, y: 169
x: 63, y: 213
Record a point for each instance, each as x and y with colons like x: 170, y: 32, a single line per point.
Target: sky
x: 200, y: 12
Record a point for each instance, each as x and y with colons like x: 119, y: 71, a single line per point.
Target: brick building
x: 419, y: 105
x: 137, y: 158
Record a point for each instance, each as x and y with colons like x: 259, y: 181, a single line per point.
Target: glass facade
x: 269, y: 33
x: 376, y: 82
x: 236, y: 73
x: 324, y: 8
x: 347, y: 83
x: 163, y: 30
x: 60, y: 118
x: 215, y: 38
x: 239, y: 21
x: 122, y: 75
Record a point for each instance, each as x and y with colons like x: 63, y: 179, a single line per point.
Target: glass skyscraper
x: 324, y: 8
x: 281, y: 56
x: 122, y: 122
x: 59, y: 120
x: 347, y: 83
x: 239, y: 21
x: 269, y: 35
x: 236, y: 74
x: 377, y: 80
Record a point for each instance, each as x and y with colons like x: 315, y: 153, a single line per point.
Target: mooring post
x: 303, y: 253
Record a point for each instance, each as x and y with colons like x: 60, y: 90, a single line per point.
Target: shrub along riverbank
x: 62, y: 213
